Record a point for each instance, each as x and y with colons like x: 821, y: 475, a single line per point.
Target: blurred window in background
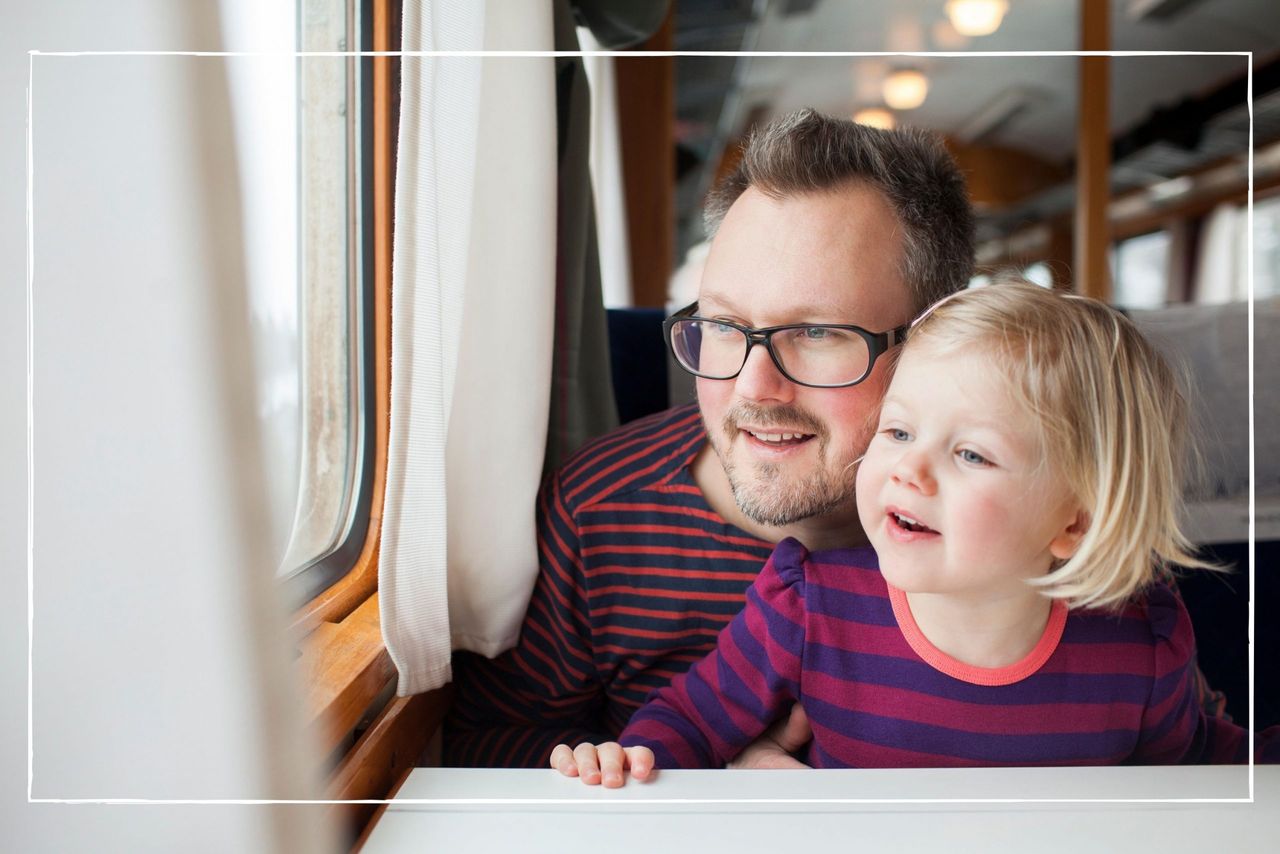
x: 1140, y: 271
x: 1039, y: 273
x: 1266, y: 247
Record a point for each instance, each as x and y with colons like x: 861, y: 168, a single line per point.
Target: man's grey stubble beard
x: 769, y: 498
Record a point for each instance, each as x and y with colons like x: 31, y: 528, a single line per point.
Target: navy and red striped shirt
x: 638, y: 577
x: 826, y: 631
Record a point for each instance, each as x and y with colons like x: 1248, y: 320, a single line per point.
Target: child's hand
x: 773, y: 749
x: 603, y: 763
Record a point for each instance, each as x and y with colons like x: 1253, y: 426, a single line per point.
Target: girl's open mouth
x: 909, y: 524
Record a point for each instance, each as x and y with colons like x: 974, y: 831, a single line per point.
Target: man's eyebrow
x: 713, y: 297
x: 799, y: 312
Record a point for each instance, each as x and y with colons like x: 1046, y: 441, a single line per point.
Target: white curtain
x: 1221, y: 272
x: 472, y: 320
x: 606, y: 177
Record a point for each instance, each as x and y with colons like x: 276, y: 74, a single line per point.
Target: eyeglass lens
x: 818, y: 355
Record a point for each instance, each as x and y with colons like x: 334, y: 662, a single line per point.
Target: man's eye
x: 825, y: 334
x: 722, y: 329
x: 973, y: 457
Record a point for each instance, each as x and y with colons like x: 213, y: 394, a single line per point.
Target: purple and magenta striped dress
x: 825, y: 630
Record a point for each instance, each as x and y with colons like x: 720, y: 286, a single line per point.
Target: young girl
x: 1021, y: 498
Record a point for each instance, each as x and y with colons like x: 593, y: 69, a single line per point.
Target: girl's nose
x: 913, y: 470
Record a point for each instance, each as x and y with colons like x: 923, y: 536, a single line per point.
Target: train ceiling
x: 1169, y: 114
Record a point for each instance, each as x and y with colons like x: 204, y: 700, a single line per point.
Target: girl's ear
x: 1068, y: 540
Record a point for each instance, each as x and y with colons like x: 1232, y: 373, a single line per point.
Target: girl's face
x: 954, y: 492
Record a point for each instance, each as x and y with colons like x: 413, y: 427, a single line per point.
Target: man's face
x: 830, y: 257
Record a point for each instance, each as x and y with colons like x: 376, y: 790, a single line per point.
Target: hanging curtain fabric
x: 473, y: 302
x: 606, y: 177
x: 1220, y: 266
x: 582, y: 402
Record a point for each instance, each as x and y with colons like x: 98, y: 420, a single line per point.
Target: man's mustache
x: 793, y: 418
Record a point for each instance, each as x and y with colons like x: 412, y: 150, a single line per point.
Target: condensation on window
x: 327, y: 195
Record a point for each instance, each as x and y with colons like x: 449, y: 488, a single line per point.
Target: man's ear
x: 1064, y: 545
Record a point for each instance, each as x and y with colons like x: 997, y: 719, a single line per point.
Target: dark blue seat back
x: 638, y: 361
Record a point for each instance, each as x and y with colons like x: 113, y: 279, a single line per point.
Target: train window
x: 1139, y: 271
x: 1266, y: 247
x: 1039, y: 273
x: 334, y: 297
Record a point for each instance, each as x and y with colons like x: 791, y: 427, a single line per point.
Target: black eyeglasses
x: 814, y: 355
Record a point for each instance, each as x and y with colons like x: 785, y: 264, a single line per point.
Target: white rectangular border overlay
x: 621, y: 803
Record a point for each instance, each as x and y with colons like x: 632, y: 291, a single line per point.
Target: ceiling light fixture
x: 905, y: 89
x: 976, y: 17
x: 876, y: 117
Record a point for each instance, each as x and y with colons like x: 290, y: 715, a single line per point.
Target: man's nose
x: 760, y: 379
x: 914, y: 471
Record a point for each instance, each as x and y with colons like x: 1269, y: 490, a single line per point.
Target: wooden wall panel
x: 646, y: 119
x: 999, y: 177
x: 1091, y: 271
x: 385, y: 755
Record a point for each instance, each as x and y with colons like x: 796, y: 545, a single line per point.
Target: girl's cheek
x: 871, y: 471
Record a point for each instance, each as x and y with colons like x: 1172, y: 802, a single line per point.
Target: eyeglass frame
x: 878, y: 343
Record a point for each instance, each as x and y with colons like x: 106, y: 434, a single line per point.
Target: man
x: 649, y: 536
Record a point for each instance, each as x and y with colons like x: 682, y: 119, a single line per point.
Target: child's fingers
x: 605, y: 763
x: 588, y: 764
x: 562, y: 760
x: 640, y: 760
x: 611, y: 764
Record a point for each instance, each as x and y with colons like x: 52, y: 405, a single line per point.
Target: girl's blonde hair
x: 1112, y: 422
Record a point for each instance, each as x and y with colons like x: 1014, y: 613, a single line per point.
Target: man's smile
x: 772, y: 430
x: 777, y: 438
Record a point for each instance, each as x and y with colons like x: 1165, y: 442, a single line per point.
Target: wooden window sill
x: 344, y: 667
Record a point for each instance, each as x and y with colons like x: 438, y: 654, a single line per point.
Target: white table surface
x: 1012, y: 809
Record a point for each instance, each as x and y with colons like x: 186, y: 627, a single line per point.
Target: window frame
x: 312, y: 579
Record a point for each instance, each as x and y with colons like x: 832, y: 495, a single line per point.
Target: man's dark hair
x: 807, y: 152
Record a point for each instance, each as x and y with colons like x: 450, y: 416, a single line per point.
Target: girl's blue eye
x: 898, y: 435
x: 973, y: 457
